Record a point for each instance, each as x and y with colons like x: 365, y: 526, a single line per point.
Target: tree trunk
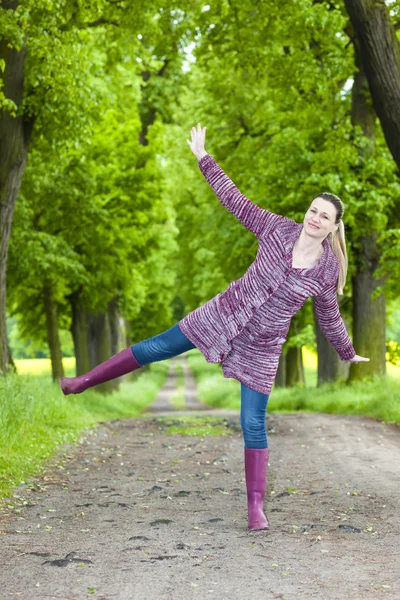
x: 280, y: 377
x: 129, y: 341
x: 330, y: 367
x: 294, y: 358
x: 53, y: 338
x: 369, y: 317
x: 79, y: 330
x: 115, y: 326
x: 12, y: 367
x: 379, y: 52
x: 294, y: 367
x: 92, y: 335
x: 15, y: 133
x: 99, y: 344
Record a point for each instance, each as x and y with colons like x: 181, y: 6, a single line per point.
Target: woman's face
x: 319, y: 220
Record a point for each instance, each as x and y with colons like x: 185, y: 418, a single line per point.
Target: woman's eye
x: 313, y: 211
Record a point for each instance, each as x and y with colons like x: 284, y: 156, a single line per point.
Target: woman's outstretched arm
x: 253, y: 217
x: 332, y: 326
x: 331, y: 323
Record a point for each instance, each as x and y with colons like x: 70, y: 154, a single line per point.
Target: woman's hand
x: 356, y: 359
x: 198, y: 140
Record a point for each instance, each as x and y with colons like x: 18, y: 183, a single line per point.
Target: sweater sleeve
x: 331, y: 323
x: 253, y: 217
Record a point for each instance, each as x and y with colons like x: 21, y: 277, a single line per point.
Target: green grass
x: 376, y: 397
x: 201, y: 426
x: 36, y: 418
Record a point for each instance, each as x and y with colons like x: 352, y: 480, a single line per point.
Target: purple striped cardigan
x: 245, y: 326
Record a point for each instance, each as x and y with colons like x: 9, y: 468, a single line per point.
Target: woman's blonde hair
x: 337, y: 239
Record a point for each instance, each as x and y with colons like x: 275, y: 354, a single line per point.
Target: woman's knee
x: 162, y: 346
x: 152, y: 349
x: 253, y: 425
x: 254, y: 434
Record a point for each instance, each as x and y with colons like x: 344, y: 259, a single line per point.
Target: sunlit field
x: 42, y: 366
x: 310, y: 362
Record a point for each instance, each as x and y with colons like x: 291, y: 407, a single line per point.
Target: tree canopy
x: 108, y: 207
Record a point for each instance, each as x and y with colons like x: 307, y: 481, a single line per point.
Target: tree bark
x: 294, y: 367
x: 115, y: 325
x: 280, y: 377
x: 330, y: 367
x: 12, y: 367
x: 79, y: 332
x: 290, y: 368
x: 379, y: 52
x: 369, y: 317
x: 99, y: 344
x: 127, y: 336
x: 15, y: 133
x: 53, y: 338
x: 95, y: 338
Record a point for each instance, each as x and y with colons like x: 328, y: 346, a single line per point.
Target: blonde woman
x: 245, y: 326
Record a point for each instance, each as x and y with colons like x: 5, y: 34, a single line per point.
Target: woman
x: 245, y: 326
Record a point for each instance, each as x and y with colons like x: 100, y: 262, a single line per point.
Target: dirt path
x: 135, y: 513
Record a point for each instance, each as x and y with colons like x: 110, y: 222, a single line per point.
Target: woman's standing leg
x: 252, y: 419
x: 165, y: 345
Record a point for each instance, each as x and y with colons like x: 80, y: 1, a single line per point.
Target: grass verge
x: 36, y: 418
x: 376, y: 397
x: 201, y: 426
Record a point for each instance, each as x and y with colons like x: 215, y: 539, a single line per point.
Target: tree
x: 379, y: 54
x: 50, y: 47
x: 279, y: 120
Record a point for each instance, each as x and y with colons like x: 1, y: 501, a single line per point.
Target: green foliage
x: 393, y: 318
x: 28, y: 348
x: 278, y: 117
x: 393, y: 349
x: 91, y: 216
x: 113, y: 203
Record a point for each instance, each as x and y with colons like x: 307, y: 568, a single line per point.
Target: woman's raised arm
x: 258, y: 220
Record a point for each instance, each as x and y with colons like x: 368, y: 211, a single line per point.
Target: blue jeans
x: 253, y: 406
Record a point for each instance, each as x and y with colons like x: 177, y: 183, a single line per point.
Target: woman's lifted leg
x: 165, y: 345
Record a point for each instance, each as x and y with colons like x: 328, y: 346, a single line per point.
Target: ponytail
x: 338, y: 244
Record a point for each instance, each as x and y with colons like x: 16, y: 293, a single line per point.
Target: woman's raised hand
x: 198, y: 139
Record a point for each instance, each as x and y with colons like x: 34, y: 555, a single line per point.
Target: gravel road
x: 134, y: 512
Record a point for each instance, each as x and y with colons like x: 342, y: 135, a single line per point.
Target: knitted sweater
x: 245, y: 326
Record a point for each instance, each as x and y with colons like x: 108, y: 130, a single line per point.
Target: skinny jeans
x: 253, y: 404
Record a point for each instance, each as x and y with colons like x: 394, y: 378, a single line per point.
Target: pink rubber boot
x: 256, y: 462
x: 119, y: 364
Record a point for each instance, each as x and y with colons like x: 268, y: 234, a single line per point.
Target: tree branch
x: 102, y: 21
